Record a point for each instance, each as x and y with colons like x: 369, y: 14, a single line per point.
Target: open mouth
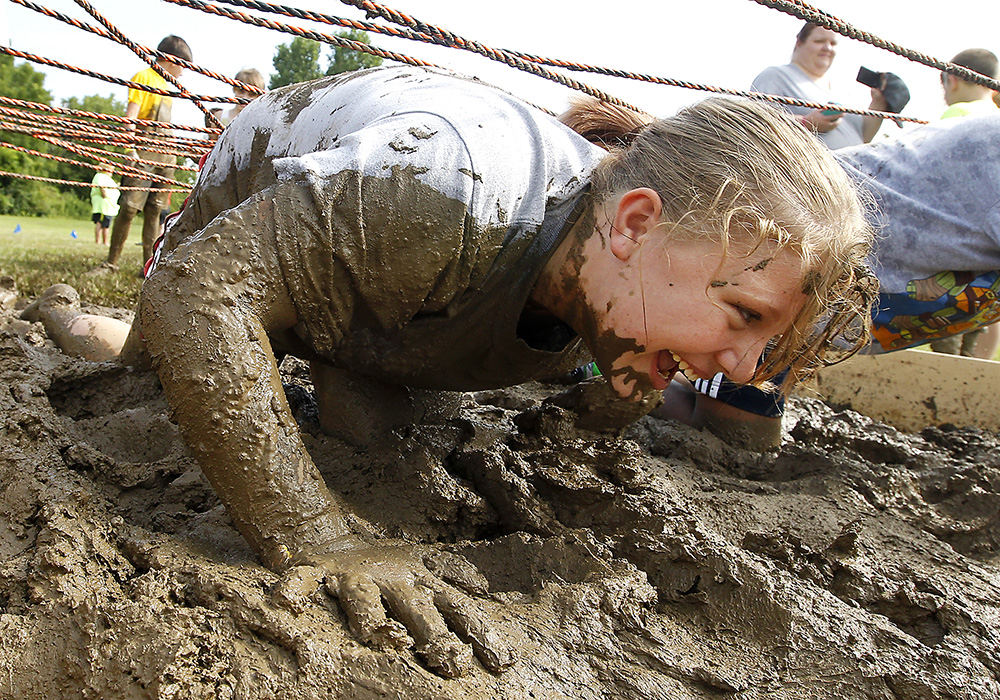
x: 663, y: 369
x: 683, y: 367
x: 668, y: 363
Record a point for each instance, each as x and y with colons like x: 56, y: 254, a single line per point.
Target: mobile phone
x: 869, y: 77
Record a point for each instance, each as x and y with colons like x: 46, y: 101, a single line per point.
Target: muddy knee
x: 57, y: 296
x: 153, y: 314
x: 358, y: 409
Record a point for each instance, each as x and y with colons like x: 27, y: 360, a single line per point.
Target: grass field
x: 45, y: 252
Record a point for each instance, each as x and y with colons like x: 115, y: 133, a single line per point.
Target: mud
x: 855, y: 562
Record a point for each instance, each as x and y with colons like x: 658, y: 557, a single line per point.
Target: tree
x: 295, y: 62
x: 96, y: 103
x: 27, y: 197
x: 89, y: 103
x: 298, y: 60
x: 22, y: 82
x: 343, y: 60
x: 17, y: 195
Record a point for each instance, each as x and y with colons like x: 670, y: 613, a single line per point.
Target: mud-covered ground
x: 856, y: 562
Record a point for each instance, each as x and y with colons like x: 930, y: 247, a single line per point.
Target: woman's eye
x: 748, y: 315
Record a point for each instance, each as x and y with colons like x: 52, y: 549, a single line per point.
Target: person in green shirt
x: 103, y: 202
x: 966, y: 99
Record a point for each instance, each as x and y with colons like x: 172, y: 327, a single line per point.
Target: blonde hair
x: 737, y: 170
x: 251, y: 76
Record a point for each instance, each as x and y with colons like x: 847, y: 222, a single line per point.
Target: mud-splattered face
x: 679, y: 305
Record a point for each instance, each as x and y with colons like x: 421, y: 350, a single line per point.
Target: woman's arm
x: 205, y: 314
x: 871, y: 125
x: 745, y: 429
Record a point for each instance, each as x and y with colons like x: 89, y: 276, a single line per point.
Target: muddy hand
x: 420, y: 606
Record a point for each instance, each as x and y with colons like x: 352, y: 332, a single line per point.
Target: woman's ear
x: 637, y: 214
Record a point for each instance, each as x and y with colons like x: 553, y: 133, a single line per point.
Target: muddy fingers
x: 464, y: 616
x: 361, y: 602
x: 446, y: 626
x: 441, y: 650
x: 295, y: 587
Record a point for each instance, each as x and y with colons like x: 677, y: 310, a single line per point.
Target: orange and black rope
x: 188, y: 65
x: 148, y: 58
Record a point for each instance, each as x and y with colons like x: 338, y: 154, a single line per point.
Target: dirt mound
x: 856, y: 562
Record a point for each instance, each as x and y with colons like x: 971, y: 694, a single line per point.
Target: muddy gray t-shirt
x: 414, y: 211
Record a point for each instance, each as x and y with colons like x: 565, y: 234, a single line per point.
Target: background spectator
x: 804, y: 78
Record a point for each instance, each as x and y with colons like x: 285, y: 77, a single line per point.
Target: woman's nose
x: 740, y: 362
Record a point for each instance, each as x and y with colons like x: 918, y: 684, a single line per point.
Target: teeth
x: 684, y: 367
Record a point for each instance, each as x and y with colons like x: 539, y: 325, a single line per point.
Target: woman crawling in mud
x: 404, y: 227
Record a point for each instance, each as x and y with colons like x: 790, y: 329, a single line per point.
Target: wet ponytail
x: 606, y: 125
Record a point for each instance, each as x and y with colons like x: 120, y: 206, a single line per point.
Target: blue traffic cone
x: 17, y: 229
x: 73, y: 233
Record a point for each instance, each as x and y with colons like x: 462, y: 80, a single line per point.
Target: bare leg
x: 97, y: 232
x: 119, y: 233
x: 92, y: 337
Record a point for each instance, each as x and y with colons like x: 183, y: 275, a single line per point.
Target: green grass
x: 44, y: 252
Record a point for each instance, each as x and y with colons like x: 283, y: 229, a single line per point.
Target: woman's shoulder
x: 786, y: 73
x: 782, y: 69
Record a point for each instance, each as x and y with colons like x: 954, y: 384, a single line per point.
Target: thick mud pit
x: 856, y: 562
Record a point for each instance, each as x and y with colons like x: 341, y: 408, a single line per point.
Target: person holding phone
x: 804, y: 78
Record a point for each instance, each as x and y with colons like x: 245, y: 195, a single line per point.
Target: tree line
x: 294, y: 62
x: 30, y: 197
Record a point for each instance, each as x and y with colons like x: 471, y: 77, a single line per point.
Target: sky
x: 717, y: 42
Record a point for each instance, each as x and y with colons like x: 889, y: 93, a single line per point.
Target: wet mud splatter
x: 855, y: 562
x: 761, y: 265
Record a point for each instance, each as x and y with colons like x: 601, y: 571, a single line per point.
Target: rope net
x: 114, y: 141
